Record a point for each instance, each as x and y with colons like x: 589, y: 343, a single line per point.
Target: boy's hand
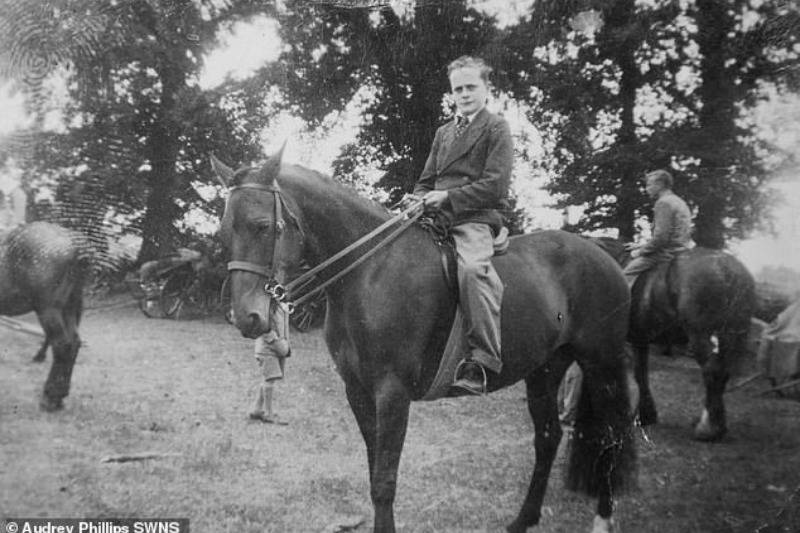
x: 434, y: 199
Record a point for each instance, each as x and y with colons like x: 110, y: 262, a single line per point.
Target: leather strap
x: 407, y: 216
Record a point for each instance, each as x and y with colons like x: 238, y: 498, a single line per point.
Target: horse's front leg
x: 392, y: 405
x: 648, y: 414
x: 363, y: 406
x: 712, y: 425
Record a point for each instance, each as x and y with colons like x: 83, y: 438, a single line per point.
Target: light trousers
x: 480, y: 292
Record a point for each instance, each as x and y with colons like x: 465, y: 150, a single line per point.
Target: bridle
x: 275, y: 286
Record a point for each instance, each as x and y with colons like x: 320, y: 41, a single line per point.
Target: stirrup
x: 485, y: 380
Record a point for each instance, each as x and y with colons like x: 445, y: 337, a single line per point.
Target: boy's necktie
x: 461, y: 125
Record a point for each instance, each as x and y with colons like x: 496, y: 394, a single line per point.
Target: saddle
x: 656, y: 290
x: 447, y: 249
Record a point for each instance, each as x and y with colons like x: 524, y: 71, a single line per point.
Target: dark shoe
x: 471, y: 377
x: 263, y: 417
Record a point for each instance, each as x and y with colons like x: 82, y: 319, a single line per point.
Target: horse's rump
x: 40, y: 265
x: 700, y: 288
x: 706, y: 300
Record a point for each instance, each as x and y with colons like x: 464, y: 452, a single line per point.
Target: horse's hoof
x: 51, y: 405
x: 706, y: 431
x: 603, y: 525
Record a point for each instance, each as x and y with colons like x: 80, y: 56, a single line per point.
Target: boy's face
x: 469, y: 90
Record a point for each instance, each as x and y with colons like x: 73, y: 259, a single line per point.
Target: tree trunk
x: 717, y: 120
x: 158, y: 226
x: 623, y: 36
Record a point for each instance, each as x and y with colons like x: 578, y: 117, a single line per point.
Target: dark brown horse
x: 42, y: 269
x: 705, y: 299
x: 388, y: 320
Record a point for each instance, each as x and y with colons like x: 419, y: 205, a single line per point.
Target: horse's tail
x: 739, y: 310
x: 602, y: 453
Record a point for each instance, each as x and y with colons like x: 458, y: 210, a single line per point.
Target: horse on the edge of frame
x: 388, y: 320
x: 42, y: 269
x: 704, y: 298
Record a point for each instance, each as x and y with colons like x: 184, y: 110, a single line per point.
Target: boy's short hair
x: 470, y: 62
x: 662, y: 176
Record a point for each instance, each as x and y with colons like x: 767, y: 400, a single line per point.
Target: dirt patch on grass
x: 183, y: 388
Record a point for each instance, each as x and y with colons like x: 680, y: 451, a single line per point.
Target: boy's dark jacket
x: 475, y: 169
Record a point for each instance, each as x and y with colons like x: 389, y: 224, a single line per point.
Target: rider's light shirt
x: 672, y: 225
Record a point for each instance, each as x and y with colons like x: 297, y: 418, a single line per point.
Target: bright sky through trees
x: 249, y: 45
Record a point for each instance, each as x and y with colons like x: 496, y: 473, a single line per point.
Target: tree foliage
x: 664, y: 84
x: 402, y: 60
x: 616, y: 88
x: 136, y: 127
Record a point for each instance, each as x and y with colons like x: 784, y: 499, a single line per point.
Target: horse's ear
x: 272, y: 167
x: 223, y: 172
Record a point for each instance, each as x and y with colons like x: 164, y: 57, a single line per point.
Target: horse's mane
x: 314, y: 180
x: 612, y: 246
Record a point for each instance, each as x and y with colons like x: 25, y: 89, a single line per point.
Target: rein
x: 278, y: 291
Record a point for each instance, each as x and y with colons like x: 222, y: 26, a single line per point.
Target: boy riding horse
x: 465, y: 179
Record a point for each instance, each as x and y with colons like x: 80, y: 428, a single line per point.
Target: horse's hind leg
x: 648, y: 414
x: 542, y: 387
x: 715, y: 363
x: 62, y: 334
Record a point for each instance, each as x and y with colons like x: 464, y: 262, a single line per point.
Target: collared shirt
x: 468, y: 117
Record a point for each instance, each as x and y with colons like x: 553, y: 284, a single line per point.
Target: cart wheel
x: 150, y: 308
x: 148, y: 299
x: 172, y: 296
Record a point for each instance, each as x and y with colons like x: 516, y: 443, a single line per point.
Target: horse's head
x: 264, y: 239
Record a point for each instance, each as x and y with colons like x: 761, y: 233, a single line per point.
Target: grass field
x: 183, y: 388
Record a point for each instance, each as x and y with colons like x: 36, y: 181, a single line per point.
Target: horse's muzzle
x: 252, y: 325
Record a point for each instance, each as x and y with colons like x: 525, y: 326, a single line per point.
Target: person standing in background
x: 271, y: 350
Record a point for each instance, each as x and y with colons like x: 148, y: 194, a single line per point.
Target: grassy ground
x: 184, y: 387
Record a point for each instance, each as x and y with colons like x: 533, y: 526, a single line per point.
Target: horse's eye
x: 260, y: 225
